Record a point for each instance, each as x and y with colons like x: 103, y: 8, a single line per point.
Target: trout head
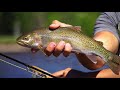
x: 30, y: 40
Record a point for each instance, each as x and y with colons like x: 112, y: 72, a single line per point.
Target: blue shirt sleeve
x: 108, y: 21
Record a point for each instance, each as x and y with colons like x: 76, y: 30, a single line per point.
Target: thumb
x: 60, y: 23
x: 59, y: 73
x: 62, y: 73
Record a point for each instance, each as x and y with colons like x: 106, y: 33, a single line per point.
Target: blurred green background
x: 12, y: 24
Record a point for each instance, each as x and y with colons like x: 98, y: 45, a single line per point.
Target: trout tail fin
x: 114, y: 64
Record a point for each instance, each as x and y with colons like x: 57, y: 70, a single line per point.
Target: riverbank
x: 12, y: 48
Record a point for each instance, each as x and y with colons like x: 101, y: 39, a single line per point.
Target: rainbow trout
x: 81, y: 43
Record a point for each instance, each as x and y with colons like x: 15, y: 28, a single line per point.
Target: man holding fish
x: 92, y: 53
x: 105, y: 31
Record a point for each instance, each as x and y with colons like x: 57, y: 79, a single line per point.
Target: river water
x: 51, y: 64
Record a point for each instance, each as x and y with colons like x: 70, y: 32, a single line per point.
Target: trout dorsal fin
x: 76, y: 28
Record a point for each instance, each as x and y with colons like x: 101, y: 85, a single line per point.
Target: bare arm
x: 71, y: 73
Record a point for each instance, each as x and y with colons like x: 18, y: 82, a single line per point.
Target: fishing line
x: 18, y: 67
x: 29, y: 66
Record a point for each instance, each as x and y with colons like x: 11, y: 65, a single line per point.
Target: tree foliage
x: 30, y: 20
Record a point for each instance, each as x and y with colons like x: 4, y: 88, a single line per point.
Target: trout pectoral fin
x: 42, y: 48
x: 92, y: 58
x: 44, y: 52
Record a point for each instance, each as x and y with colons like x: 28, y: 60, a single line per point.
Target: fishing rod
x: 34, y: 68
x: 33, y: 73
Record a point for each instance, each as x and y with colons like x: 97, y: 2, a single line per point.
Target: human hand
x: 62, y: 73
x: 62, y: 47
x: 56, y: 24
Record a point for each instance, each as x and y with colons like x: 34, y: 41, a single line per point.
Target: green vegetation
x: 7, y: 39
x: 12, y: 24
x: 84, y: 19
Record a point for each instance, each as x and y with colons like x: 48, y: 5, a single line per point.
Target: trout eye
x: 26, y: 38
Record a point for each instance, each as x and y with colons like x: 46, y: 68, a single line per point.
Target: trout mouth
x: 19, y: 42
x: 33, y: 50
x: 22, y: 43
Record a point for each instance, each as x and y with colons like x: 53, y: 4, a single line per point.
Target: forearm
x: 110, y: 42
x: 105, y: 73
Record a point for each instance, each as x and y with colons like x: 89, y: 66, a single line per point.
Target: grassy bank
x: 5, y: 39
